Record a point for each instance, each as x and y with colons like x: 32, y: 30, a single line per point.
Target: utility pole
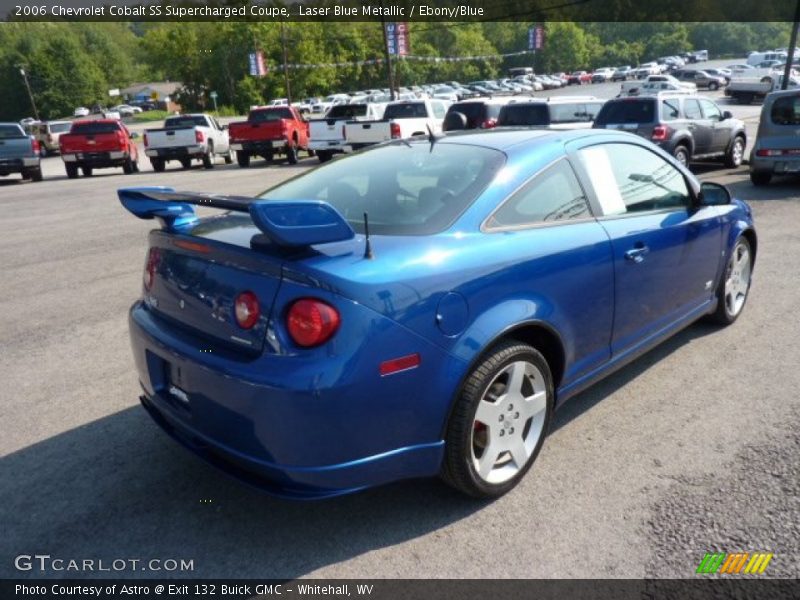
x: 30, y: 93
x: 285, y: 63
x: 388, y: 57
x: 792, y: 43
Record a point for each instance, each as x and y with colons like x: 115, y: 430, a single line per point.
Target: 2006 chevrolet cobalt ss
x: 423, y: 307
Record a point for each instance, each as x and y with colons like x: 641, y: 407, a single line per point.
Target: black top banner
x: 399, y: 10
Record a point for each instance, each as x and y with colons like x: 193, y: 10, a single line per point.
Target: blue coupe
x: 423, y: 307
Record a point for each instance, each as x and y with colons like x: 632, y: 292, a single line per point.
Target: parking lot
x: 692, y: 448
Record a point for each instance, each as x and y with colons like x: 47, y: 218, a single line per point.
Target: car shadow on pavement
x: 583, y: 402
x: 119, y: 488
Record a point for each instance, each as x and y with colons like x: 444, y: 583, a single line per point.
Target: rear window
x: 475, y: 112
x: 786, y: 111
x: 273, y: 114
x: 627, y: 111
x: 11, y: 131
x: 569, y: 113
x: 408, y: 188
x: 347, y: 111
x: 529, y: 115
x: 184, y: 121
x: 407, y: 110
x: 59, y: 127
x: 94, y: 128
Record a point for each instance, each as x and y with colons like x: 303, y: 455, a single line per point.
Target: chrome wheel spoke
x: 532, y: 406
x: 519, y: 453
x: 487, y: 460
x: 516, y: 375
x: 488, y: 412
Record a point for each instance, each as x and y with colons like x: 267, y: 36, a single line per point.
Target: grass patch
x: 150, y: 115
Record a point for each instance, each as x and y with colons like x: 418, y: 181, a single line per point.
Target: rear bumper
x: 326, y: 146
x: 260, y: 147
x: 778, y: 165
x: 348, y: 148
x: 176, y: 153
x: 18, y: 165
x: 268, y: 423
x: 96, y: 159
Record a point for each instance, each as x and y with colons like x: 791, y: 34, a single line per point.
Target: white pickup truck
x: 327, y: 134
x: 745, y: 88
x: 400, y: 120
x: 187, y: 137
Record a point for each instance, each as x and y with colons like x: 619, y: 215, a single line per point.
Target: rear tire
x: 243, y: 158
x: 291, y: 154
x: 499, y: 421
x: 681, y: 154
x: 72, y: 171
x: 324, y: 156
x: 158, y: 164
x: 760, y: 178
x: 186, y: 163
x: 230, y: 156
x: 127, y: 167
x: 87, y: 171
x: 735, y: 154
x: 713, y: 86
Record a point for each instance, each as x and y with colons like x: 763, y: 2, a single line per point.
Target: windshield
x: 407, y: 110
x: 184, y: 121
x: 94, y: 127
x: 627, y: 111
x: 272, y: 114
x: 405, y: 188
x: 11, y: 131
x: 786, y: 111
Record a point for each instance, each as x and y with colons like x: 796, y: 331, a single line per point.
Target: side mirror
x: 134, y: 136
x: 224, y: 128
x: 713, y: 194
x: 727, y: 115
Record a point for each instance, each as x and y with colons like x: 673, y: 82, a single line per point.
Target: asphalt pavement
x: 693, y: 448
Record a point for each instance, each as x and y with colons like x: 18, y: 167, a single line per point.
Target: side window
x: 692, y: 109
x: 628, y: 178
x: 552, y: 195
x: 670, y: 109
x: 438, y: 110
x: 710, y: 110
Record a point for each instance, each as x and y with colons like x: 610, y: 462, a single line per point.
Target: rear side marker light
x: 394, y: 130
x: 787, y: 152
x: 153, y: 259
x: 311, y: 322
x: 246, y: 310
x: 193, y: 246
x: 199, y: 137
x: 403, y: 363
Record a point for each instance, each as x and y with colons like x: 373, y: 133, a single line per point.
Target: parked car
x: 646, y: 69
x: 81, y: 111
x: 688, y: 127
x: 702, y: 79
x: 744, y: 88
x: 19, y: 153
x: 622, y: 73
x: 477, y: 113
x: 98, y: 144
x: 602, y: 75
x: 269, y: 131
x: 579, y: 78
x: 723, y: 73
x: 401, y: 120
x: 562, y: 112
x: 327, y: 136
x: 126, y: 110
x: 48, y: 135
x: 186, y: 138
x: 280, y: 346
x: 776, y: 150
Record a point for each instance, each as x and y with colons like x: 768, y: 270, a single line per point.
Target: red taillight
x: 246, y: 309
x: 35, y: 145
x: 121, y: 139
x: 489, y: 123
x: 311, y: 322
x: 144, y: 139
x: 199, y: 137
x: 394, y: 130
x: 660, y: 133
x: 788, y: 151
x: 153, y: 259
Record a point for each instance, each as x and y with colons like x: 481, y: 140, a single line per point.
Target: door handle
x: 637, y: 253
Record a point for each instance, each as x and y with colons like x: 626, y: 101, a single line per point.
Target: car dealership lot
x: 642, y: 474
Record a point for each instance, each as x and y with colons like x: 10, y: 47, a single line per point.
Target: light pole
x: 30, y: 93
x: 792, y: 42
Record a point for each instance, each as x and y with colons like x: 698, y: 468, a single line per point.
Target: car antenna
x: 368, y: 247
x: 432, y: 137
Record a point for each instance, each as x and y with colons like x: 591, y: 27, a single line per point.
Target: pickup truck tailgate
x: 171, y: 138
x: 367, y: 132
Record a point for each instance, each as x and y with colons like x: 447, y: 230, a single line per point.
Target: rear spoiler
x: 291, y: 223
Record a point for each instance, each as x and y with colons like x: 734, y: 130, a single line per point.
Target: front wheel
x: 681, y: 154
x: 230, y: 156
x: 713, y: 86
x: 735, y: 155
x: 499, y: 421
x: 208, y: 157
x: 734, y: 287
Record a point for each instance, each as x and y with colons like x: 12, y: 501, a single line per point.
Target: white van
x: 756, y: 58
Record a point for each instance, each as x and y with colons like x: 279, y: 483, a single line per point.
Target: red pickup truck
x: 97, y: 144
x: 269, y: 131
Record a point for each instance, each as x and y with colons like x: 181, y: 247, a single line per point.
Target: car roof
x: 505, y: 139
